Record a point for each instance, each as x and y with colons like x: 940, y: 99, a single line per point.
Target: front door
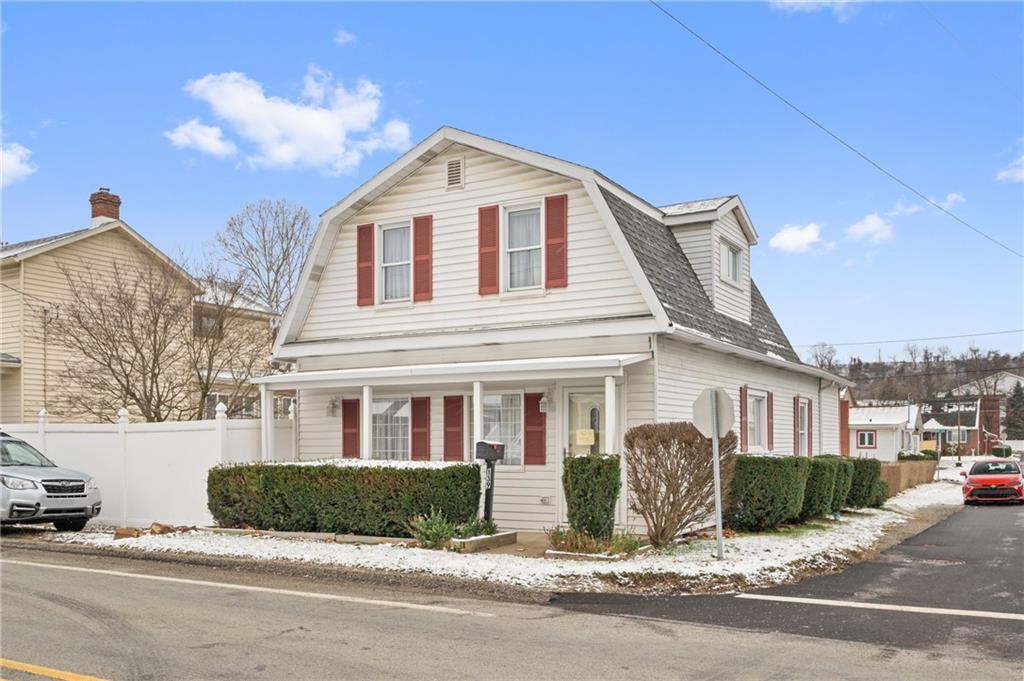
x: 583, y: 429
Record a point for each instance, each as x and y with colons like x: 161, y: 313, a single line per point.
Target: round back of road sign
x: 702, y: 412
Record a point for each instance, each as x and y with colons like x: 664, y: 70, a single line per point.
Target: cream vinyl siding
x: 730, y: 298
x: 10, y: 342
x: 696, y: 242
x: 684, y: 370
x: 599, y: 284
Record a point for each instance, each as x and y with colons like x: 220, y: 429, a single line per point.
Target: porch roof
x: 581, y: 366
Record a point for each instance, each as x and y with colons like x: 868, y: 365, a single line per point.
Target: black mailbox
x: 490, y: 451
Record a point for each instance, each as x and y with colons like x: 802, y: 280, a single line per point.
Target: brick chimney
x: 105, y: 206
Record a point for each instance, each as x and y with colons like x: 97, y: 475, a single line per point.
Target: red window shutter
x: 454, y: 447
x: 350, y: 429
x: 770, y: 406
x: 535, y: 441
x: 487, y: 223
x: 796, y: 425
x: 844, y: 428
x: 810, y: 428
x: 423, y: 257
x: 420, y: 429
x: 556, y: 237
x: 364, y: 265
x: 743, y: 418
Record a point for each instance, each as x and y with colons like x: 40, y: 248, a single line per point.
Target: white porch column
x: 266, y: 423
x: 611, y: 418
x: 478, y: 417
x: 365, y: 422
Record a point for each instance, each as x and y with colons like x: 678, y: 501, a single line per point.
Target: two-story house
x: 474, y: 290
x: 36, y: 280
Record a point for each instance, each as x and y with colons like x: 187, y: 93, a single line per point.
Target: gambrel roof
x: 642, y: 233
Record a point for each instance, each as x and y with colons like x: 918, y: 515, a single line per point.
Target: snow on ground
x: 944, y: 493
x: 758, y: 558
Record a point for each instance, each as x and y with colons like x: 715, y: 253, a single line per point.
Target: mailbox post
x: 489, y: 452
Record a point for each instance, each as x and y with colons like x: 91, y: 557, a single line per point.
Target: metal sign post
x: 719, y: 549
x: 713, y: 415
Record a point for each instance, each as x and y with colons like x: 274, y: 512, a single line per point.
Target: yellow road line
x: 46, y: 671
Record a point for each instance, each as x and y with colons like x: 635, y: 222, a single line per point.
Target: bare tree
x: 267, y: 242
x: 229, y: 344
x: 669, y: 470
x: 124, y: 332
x: 823, y: 356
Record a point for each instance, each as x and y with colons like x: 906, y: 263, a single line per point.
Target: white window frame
x: 380, y: 265
x: 862, y: 441
x: 408, y: 437
x: 761, y: 425
x: 537, y: 204
x: 803, y: 414
x: 468, y: 414
x: 725, y: 265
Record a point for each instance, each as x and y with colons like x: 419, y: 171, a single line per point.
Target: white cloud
x: 844, y: 10
x: 798, y: 238
x: 330, y: 128
x: 873, y: 228
x: 1014, y: 172
x: 343, y: 37
x: 208, y: 139
x: 904, y: 209
x: 15, y: 164
x: 951, y: 200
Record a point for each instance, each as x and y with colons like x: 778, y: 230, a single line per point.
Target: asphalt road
x: 114, y: 618
x: 971, y: 563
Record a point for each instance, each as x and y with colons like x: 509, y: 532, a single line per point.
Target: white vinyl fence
x: 153, y: 471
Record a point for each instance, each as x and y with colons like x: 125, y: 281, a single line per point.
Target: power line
x: 911, y: 340
x: 19, y: 291
x: 833, y: 135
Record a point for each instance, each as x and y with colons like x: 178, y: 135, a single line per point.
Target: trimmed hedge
x: 1002, y: 451
x: 844, y: 478
x: 862, y: 487
x: 915, y: 457
x: 373, y: 501
x: 592, y: 485
x: 879, y: 494
x: 821, y: 485
x: 931, y: 453
x: 766, y: 491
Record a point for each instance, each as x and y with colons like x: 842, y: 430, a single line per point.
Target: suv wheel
x: 70, y: 524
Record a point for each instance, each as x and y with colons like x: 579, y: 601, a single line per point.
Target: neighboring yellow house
x: 33, y: 285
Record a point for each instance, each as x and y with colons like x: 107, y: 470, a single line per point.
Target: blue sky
x: 141, y: 98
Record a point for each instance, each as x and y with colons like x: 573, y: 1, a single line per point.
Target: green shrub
x: 879, y: 493
x: 433, y: 531
x: 930, y: 453
x: 1002, y: 451
x: 477, y: 527
x: 844, y: 478
x: 820, y: 488
x: 862, y: 487
x: 592, y: 485
x: 766, y: 491
x: 577, y: 542
x: 906, y: 456
x: 375, y: 501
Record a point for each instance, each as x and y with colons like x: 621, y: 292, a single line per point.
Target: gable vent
x: 454, y: 171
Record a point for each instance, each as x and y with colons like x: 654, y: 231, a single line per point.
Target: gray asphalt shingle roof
x: 7, y: 250
x: 698, y: 206
x: 683, y: 296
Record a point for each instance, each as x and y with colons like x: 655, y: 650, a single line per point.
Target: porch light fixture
x: 544, y: 403
x: 332, y: 407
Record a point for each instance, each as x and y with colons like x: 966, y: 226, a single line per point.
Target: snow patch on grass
x: 942, y: 493
x: 755, y: 558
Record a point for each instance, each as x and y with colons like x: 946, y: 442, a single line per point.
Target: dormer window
x: 395, y: 261
x: 730, y: 262
x: 523, y: 248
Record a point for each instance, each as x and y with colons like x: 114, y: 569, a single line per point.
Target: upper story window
x: 523, y: 249
x: 730, y: 262
x: 756, y: 420
x: 395, y: 262
x: 207, y: 324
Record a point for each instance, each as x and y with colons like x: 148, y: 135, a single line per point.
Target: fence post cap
x: 122, y: 415
x: 222, y: 410
x: 43, y: 413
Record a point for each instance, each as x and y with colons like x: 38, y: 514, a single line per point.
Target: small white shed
x: 883, y: 432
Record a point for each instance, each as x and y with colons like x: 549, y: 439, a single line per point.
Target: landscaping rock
x: 185, y: 528
x: 160, y: 528
x: 127, y: 533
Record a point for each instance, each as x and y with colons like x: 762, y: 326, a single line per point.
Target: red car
x: 993, y: 480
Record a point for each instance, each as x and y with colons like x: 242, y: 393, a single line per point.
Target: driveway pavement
x: 958, y: 580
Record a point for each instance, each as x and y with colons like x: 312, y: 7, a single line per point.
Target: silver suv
x: 34, y: 489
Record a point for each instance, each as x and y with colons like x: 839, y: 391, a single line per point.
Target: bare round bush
x: 670, y: 474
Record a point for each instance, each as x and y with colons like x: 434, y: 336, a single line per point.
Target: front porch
x: 542, y: 409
